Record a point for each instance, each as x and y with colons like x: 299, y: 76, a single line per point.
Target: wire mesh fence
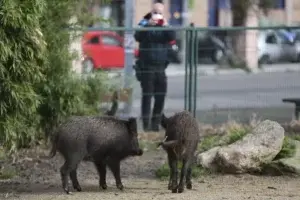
x: 206, y: 70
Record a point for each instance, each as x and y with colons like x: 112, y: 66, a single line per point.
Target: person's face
x: 157, y: 11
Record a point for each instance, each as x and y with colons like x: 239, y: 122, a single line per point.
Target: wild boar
x: 104, y: 140
x: 181, y: 141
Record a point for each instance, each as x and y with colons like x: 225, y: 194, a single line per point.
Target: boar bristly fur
x: 181, y: 141
x: 103, y: 140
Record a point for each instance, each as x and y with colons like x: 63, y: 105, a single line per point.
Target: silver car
x: 274, y: 47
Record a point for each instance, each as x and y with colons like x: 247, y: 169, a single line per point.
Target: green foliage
x: 211, y: 141
x: 236, y: 134
x: 163, y: 172
x: 64, y: 93
x: 7, y: 173
x: 37, y: 86
x: 294, y: 136
x: 288, y: 149
x: 22, y: 55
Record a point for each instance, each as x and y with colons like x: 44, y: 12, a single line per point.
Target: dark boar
x: 103, y: 140
x: 181, y: 140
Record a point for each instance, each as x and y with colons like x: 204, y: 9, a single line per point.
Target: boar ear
x: 132, y: 125
x: 164, y: 121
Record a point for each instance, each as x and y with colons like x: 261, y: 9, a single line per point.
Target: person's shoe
x: 155, y: 124
x: 146, y: 126
x: 147, y: 129
x: 155, y: 128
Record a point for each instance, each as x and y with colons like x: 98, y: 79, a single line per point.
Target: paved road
x: 233, y: 93
x: 238, y: 95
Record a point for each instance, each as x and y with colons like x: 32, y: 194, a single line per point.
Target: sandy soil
x: 38, y: 179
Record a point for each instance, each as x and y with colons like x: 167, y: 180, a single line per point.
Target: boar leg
x: 172, y: 160
x: 101, y: 168
x: 189, y: 178
x: 69, y: 165
x: 184, y: 169
x: 73, y: 177
x: 114, y: 166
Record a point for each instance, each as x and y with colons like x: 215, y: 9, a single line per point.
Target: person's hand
x: 152, y: 22
x: 165, y: 22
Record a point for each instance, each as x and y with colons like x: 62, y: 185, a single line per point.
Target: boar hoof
x: 120, y: 186
x: 180, y: 189
x: 189, y: 186
x: 170, y: 186
x: 174, y: 190
x: 78, y: 188
x: 67, y: 190
x: 103, y: 186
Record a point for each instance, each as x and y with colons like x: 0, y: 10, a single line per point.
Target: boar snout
x: 137, y: 152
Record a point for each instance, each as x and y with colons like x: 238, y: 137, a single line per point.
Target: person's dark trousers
x: 153, y: 84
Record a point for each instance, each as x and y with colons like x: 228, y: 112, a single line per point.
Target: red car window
x: 94, y: 40
x: 110, y: 41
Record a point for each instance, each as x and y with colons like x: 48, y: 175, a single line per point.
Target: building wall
x: 142, y: 7
x: 296, y: 12
x: 198, y: 14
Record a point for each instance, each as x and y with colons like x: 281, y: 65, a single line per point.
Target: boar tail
x: 114, y: 106
x: 54, y: 146
x: 168, y: 144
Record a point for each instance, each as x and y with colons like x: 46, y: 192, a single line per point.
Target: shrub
x: 38, y: 87
x: 288, y: 149
x: 7, y: 173
x: 22, y: 56
x: 233, y: 134
x: 236, y: 134
x: 64, y: 93
x: 210, y: 142
x: 163, y: 172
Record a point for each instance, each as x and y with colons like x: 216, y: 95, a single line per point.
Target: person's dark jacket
x: 154, y: 45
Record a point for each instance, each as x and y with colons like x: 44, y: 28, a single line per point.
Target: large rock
x: 285, y: 165
x: 256, y: 148
x: 249, y: 154
x: 207, y: 159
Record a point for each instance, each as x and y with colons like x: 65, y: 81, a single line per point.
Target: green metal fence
x: 192, y: 84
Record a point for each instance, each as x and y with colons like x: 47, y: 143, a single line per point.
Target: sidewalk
x: 211, y: 70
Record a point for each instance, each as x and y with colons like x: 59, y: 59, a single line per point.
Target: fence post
x: 191, y: 61
x: 195, y: 52
x: 186, y: 63
x: 129, y: 44
x: 191, y: 68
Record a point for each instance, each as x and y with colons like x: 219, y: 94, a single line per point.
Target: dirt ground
x: 38, y: 179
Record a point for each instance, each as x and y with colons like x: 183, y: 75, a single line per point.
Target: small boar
x: 104, y: 140
x: 181, y: 140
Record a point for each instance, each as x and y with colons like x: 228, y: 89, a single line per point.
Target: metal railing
x: 193, y: 95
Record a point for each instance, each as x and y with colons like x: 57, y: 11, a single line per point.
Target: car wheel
x: 217, y: 55
x: 87, y: 66
x: 265, y: 59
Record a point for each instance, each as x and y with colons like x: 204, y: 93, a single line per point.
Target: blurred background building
x: 204, y: 12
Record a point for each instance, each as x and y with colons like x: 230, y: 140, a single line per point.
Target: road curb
x: 212, y: 71
x: 243, y: 72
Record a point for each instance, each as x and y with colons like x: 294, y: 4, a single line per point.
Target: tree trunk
x: 239, y: 16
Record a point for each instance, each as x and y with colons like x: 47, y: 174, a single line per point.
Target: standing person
x: 153, y: 58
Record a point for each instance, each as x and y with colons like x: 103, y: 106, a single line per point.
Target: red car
x: 102, y: 50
